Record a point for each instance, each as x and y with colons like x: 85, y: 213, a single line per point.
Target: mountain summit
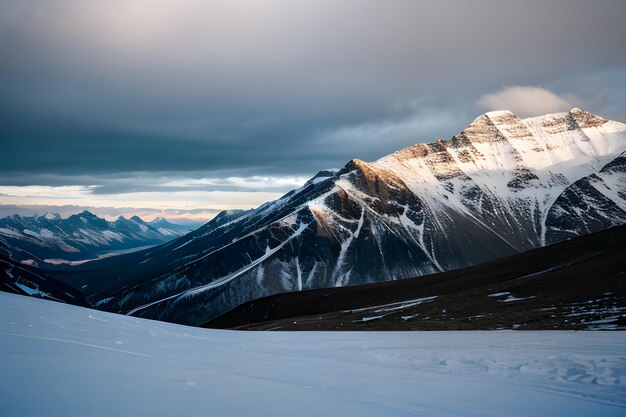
x: 502, y: 186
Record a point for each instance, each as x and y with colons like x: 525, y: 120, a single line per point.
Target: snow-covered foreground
x: 60, y: 360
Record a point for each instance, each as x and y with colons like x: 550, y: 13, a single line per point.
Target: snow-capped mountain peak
x: 523, y: 164
x: 49, y: 216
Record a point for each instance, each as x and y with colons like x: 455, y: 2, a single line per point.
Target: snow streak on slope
x: 224, y: 280
x: 69, y: 361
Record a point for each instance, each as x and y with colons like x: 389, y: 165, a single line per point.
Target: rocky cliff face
x: 502, y: 186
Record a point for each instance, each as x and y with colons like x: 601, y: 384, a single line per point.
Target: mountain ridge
x: 79, y: 236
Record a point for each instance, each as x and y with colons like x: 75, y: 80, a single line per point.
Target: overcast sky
x: 205, y: 104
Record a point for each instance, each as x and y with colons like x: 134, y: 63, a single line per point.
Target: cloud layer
x: 525, y: 101
x: 136, y: 95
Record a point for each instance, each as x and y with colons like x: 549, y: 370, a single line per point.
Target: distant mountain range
x: 504, y: 185
x: 81, y: 236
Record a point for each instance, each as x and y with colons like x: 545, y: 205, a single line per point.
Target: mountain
x: 24, y: 279
x: 504, y: 185
x: 541, y: 289
x: 168, y: 228
x: 80, y: 236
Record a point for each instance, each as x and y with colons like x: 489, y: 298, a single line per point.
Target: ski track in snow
x: 57, y: 361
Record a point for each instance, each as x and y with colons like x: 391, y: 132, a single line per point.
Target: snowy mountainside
x: 121, y: 366
x: 594, y: 202
x: 80, y: 235
x: 486, y: 193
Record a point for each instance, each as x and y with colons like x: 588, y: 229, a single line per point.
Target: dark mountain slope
x: 577, y: 284
x: 27, y: 280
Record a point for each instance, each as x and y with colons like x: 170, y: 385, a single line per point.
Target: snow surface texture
x: 61, y: 360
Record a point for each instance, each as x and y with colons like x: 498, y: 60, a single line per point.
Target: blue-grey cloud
x: 101, y: 94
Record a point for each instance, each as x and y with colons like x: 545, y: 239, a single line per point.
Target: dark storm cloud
x: 93, y: 92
